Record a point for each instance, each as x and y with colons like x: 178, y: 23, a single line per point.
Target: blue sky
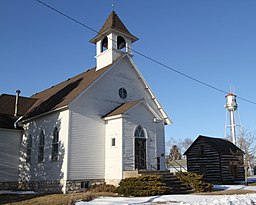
x: 213, y: 41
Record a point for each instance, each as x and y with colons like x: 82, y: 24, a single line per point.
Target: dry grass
x: 53, y: 199
x: 69, y: 199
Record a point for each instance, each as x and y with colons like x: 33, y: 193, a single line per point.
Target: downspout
x: 16, y: 122
x: 16, y: 108
x: 16, y: 103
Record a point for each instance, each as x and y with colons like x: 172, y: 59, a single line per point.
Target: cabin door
x: 140, y: 153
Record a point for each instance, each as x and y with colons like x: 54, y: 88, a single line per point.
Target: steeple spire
x: 115, y: 23
x: 112, y: 40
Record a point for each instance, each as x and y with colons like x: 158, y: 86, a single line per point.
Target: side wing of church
x: 99, y: 126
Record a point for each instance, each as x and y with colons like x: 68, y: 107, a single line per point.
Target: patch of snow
x: 16, y: 192
x: 187, y: 199
x: 191, y: 199
x: 235, y: 187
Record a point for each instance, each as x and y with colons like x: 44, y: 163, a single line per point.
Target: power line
x: 145, y: 56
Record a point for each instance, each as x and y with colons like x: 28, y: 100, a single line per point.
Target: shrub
x: 195, y: 181
x: 103, y: 188
x: 143, y: 186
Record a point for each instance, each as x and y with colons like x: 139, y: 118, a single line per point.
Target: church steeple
x: 112, y: 40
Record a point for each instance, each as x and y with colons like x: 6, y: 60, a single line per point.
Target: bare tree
x: 186, y: 143
x: 246, y: 142
x: 182, y: 145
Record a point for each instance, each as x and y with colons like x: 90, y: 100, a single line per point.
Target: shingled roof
x: 113, y: 22
x: 7, y: 109
x: 7, y: 104
x: 223, y: 146
x: 122, y: 108
x: 62, y: 94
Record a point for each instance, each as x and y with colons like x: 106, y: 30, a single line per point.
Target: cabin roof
x: 223, y: 146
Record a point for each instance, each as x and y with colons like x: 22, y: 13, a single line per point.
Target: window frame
x: 41, y: 144
x: 113, y: 142
x: 55, y: 145
x: 139, y: 132
x: 29, y: 149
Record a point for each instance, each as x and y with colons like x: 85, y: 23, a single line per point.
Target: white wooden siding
x: 48, y: 170
x: 86, y: 158
x: 160, y: 143
x: 140, y: 115
x: 87, y: 128
x: 113, y: 161
x: 9, y: 154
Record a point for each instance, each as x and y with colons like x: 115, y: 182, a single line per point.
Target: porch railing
x: 137, y: 162
x: 180, y: 167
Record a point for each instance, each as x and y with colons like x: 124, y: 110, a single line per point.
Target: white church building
x: 102, y: 125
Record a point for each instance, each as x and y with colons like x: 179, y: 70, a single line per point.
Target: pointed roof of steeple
x: 113, y: 22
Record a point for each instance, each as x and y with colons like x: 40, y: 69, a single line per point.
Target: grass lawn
x: 53, y: 199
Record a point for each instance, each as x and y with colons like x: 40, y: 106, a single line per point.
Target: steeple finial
x: 113, y: 5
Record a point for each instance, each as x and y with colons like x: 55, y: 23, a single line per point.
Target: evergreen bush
x: 143, y: 186
x: 195, y: 181
x: 103, y: 188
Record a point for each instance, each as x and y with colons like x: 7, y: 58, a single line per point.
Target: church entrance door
x: 140, y: 153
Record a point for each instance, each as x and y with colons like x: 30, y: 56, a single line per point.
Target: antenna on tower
x: 231, y: 106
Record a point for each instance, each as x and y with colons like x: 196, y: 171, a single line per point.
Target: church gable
x: 120, y: 84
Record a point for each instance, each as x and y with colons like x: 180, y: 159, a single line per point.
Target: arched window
x: 41, y: 147
x: 55, y: 144
x: 139, y: 132
x: 104, y: 44
x: 120, y: 42
x: 29, y: 149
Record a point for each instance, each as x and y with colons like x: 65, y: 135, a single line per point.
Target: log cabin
x: 217, y: 159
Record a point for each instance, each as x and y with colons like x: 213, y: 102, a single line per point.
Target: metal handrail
x: 152, y: 167
x: 181, y: 167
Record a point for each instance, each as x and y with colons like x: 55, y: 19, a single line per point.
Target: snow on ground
x: 16, y: 192
x: 191, y: 199
x: 188, y: 199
